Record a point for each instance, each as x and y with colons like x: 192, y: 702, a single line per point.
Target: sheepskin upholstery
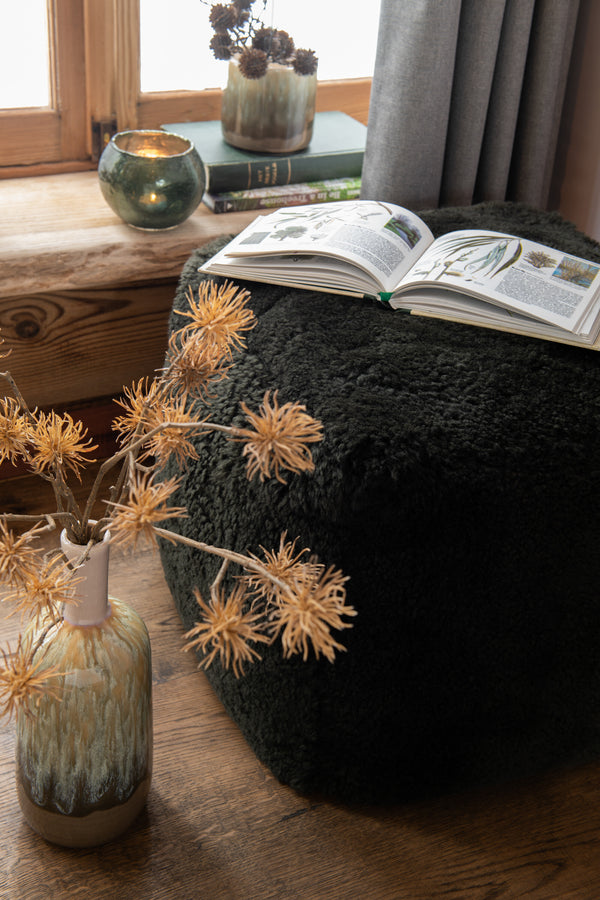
x: 457, y: 485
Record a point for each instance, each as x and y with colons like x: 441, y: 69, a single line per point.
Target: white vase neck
x: 91, y: 592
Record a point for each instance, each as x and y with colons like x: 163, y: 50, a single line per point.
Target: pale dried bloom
x: 42, y: 591
x: 147, y: 409
x: 146, y: 506
x: 21, y: 681
x: 58, y: 441
x: 14, y: 431
x: 308, y: 614
x: 226, y: 630
x: 278, y: 438
x: 171, y: 440
x: 138, y: 399
x: 193, y: 365
x: 219, y: 314
x: 17, y: 557
x: 282, y: 564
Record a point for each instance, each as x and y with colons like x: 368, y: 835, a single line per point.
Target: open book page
x: 526, y: 277
x: 433, y: 302
x: 361, y: 246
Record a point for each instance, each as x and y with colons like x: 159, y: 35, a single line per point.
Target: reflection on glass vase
x: 84, y: 756
x: 271, y: 114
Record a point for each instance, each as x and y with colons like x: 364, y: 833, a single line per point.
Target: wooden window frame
x: 95, y: 65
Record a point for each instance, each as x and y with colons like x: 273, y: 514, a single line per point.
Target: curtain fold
x: 466, y: 100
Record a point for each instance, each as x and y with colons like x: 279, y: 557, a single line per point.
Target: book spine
x: 304, y: 195
x: 244, y: 176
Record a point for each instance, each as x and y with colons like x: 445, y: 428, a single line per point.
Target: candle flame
x: 152, y: 198
x: 151, y: 152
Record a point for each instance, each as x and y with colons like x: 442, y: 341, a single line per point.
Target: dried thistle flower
x: 223, y: 16
x: 58, y: 441
x: 278, y: 45
x: 305, y: 62
x: 17, y: 557
x: 285, y: 45
x: 219, y: 315
x: 226, y: 630
x: 283, y: 564
x: 192, y: 366
x: 253, y: 63
x: 278, y: 438
x: 165, y: 421
x: 14, y: 431
x: 137, y: 401
x: 308, y: 614
x: 146, y: 505
x: 172, y: 440
x: 41, y: 591
x: 220, y: 44
x: 21, y: 682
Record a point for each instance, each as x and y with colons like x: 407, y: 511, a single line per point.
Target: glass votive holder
x: 151, y: 179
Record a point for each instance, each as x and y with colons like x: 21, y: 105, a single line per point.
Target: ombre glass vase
x: 153, y: 180
x: 84, y: 756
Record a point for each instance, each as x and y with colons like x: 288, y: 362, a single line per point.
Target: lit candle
x: 151, y: 152
x: 151, y: 179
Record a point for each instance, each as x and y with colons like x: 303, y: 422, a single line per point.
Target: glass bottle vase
x: 84, y: 756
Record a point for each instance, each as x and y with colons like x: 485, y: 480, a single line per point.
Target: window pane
x: 174, y: 46
x: 24, y: 65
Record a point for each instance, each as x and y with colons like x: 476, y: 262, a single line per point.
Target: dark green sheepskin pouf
x: 457, y: 485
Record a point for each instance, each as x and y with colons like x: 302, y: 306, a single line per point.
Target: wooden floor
x: 218, y: 826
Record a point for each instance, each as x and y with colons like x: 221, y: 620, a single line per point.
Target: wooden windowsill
x: 57, y: 233
x: 84, y: 298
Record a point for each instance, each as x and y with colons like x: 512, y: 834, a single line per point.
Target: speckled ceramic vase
x: 84, y: 761
x: 272, y: 114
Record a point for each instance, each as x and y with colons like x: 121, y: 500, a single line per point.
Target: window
x: 345, y: 49
x: 25, y: 60
x: 55, y: 131
x: 117, y: 64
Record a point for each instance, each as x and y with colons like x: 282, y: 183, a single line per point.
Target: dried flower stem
x: 130, y: 451
x: 18, y: 395
x: 246, y: 562
x: 214, y: 588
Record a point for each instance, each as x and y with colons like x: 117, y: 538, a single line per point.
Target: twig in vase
x: 286, y: 595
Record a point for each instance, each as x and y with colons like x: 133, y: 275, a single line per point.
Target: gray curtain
x: 466, y: 100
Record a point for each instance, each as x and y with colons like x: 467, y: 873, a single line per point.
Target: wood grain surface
x: 57, y: 233
x: 73, y: 346
x: 218, y: 826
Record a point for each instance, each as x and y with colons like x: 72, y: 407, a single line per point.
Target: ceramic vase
x: 272, y: 114
x: 84, y: 757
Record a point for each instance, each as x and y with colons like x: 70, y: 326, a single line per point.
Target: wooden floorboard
x: 219, y: 826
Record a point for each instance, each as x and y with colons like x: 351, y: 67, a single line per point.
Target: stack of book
x: 328, y: 169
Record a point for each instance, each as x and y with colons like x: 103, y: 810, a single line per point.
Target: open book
x: 374, y: 249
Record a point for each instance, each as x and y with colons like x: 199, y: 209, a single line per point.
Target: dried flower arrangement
x: 240, y: 33
x: 286, y: 595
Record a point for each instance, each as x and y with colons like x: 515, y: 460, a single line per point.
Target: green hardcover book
x: 335, y: 151
x: 285, y: 195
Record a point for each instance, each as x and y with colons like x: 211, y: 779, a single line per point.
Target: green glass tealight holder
x: 151, y: 179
